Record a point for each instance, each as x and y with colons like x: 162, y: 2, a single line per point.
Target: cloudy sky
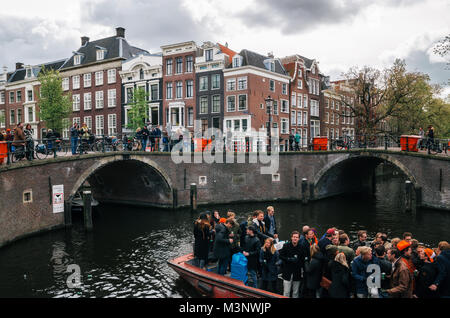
x: 337, y: 33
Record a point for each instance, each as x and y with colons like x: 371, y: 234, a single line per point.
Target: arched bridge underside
x: 155, y: 180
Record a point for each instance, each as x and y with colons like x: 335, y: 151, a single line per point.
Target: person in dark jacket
x: 260, y: 226
x: 327, y: 240
x: 313, y: 271
x: 385, y: 266
x: 427, y: 275
x: 362, y: 240
x: 340, y: 277
x: 251, y: 251
x: 442, y: 281
x: 268, y: 258
x: 222, y: 246
x: 202, y: 236
x: 74, y: 134
x: 293, y: 259
x: 144, y: 136
x: 270, y: 222
x: 359, y: 270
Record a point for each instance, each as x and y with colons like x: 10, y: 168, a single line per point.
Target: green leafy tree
x: 54, y: 105
x: 139, y: 109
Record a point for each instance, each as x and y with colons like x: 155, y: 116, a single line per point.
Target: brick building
x: 3, y: 79
x: 143, y: 71
x: 91, y: 75
x: 179, y: 85
x: 249, y: 81
x: 305, y: 91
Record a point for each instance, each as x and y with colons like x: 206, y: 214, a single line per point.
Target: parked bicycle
x: 18, y: 153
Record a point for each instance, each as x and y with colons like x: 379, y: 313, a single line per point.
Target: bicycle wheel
x: 119, y: 146
x: 41, y: 151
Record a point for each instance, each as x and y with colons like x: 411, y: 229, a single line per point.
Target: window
x: 237, y: 61
x: 327, y: 118
x: 242, y: 83
x: 208, y: 55
x: 111, y: 98
x: 300, y: 84
x: 2, y: 118
x: 299, y: 118
x: 327, y: 103
x: 100, y: 55
x: 76, y: 120
x: 305, y: 101
x: 12, y: 117
x: 169, y: 90
x: 215, y: 104
x: 231, y: 85
x: 299, y: 72
x: 315, y: 128
x: 179, y: 65
x: 19, y: 96
x: 231, y: 103
x: 87, y: 101
x: 237, y: 124
x: 169, y: 63
x: 228, y: 125
x: 204, y: 105
x: 28, y: 72
x: 293, y: 117
x: 141, y: 74
x: 99, y: 99
x: 112, y: 124
x: 305, y: 118
x: 204, y: 125
x: 29, y: 95
x: 332, y: 118
x: 244, y: 125
x: 87, y: 80
x: 189, y: 64
x: 76, y: 102
x: 293, y: 99
x: 154, y: 92
x: 203, y: 83
x: 215, y: 81
x: 129, y: 94
x: 11, y: 97
x: 77, y: 60
x: 2, y: 97
x: 299, y: 100
x: 19, y: 115
x: 272, y: 85
x: 179, y: 90
x: 284, y: 106
x: 111, y: 76
x: 99, y: 78
x: 275, y: 107
x: 65, y: 83
x: 242, y: 102
x: 284, y: 125
x: 284, y: 92
x: 216, y: 122
x: 189, y: 88
x: 76, y: 82
x: 190, y: 116
x: 314, y: 107
x: 99, y: 125
x: 337, y: 105
x: 88, y: 121
x: 332, y: 104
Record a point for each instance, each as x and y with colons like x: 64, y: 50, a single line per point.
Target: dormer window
x: 270, y: 65
x: 208, y: 55
x: 237, y: 61
x: 100, y: 54
x: 28, y: 72
x: 77, y: 60
x: 313, y: 70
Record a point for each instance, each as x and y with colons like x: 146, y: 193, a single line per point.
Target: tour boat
x: 213, y: 285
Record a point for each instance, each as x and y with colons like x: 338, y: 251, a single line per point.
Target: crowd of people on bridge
x: 315, y: 265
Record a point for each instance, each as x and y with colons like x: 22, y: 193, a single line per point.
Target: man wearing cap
x: 222, y: 245
x: 327, y: 240
x: 251, y: 251
x: 401, y: 278
x: 427, y: 275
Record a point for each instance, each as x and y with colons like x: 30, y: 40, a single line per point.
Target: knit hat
x: 430, y: 254
x: 402, y: 245
x: 222, y: 220
x: 331, y: 231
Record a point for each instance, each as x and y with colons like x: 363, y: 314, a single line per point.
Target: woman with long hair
x: 202, y: 236
x: 29, y: 143
x: 340, y: 277
x: 268, y: 259
x: 313, y: 271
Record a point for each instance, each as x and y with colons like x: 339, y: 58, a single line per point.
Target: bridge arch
x: 116, y: 179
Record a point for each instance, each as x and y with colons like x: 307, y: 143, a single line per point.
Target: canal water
x: 126, y: 254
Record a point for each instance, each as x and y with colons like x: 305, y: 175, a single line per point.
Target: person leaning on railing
x: 19, y: 137
x: 29, y: 141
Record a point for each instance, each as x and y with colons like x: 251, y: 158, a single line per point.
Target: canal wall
x: 26, y: 205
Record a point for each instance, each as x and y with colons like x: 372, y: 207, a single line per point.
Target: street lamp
x: 269, y: 107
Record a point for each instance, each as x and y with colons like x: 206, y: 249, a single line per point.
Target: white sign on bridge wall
x: 58, y: 198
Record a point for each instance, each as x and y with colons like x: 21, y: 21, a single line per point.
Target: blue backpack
x: 239, y: 267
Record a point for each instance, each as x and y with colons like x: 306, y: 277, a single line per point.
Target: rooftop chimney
x: 19, y: 65
x: 120, y: 32
x: 84, y: 40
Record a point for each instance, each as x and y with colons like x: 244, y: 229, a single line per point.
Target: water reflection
x: 126, y: 254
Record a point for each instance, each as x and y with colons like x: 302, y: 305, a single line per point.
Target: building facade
x: 92, y: 76
x: 143, y: 71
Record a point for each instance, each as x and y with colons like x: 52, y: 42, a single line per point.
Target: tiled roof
x: 116, y: 47
x: 19, y: 75
x: 257, y: 60
x: 227, y: 51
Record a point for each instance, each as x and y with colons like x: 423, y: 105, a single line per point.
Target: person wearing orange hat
x: 427, y: 275
x: 401, y: 278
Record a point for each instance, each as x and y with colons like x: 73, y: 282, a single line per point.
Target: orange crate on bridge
x: 320, y: 143
x: 409, y: 143
x: 3, y: 150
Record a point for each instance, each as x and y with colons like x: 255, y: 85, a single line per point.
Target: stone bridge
x: 155, y: 180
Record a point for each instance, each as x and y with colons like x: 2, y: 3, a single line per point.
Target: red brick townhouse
x: 304, y: 96
x: 91, y: 74
x: 249, y: 81
x: 179, y: 85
